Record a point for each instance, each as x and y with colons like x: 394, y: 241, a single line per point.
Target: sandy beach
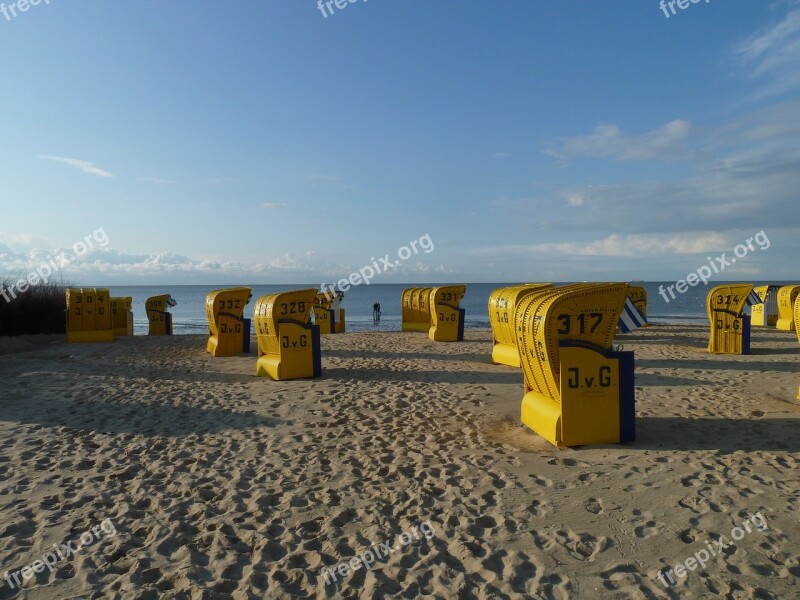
x: 223, y: 485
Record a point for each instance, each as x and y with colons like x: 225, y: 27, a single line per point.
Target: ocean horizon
x: 189, y: 316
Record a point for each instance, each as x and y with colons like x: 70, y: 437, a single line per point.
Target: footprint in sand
x: 594, y: 506
x: 547, y: 483
x: 649, y: 526
x: 567, y: 462
x: 628, y: 579
x: 583, y: 546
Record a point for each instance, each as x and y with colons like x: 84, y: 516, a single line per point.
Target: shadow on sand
x: 721, y: 365
x: 725, y: 435
x: 157, y: 418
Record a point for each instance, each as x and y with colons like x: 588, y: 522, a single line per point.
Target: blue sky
x: 261, y: 142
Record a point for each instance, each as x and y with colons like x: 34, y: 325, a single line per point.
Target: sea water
x: 189, y: 316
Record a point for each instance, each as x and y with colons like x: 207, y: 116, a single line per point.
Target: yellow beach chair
x: 730, y: 327
x: 786, y: 299
x: 577, y: 389
x: 122, y: 316
x: 328, y: 313
x: 89, y: 315
x: 158, y: 315
x: 638, y: 295
x: 447, y: 319
x: 766, y: 312
x: 228, y: 330
x: 288, y: 345
x: 415, y: 309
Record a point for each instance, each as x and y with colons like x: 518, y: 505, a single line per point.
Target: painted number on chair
x: 728, y: 299
x: 586, y: 323
x: 289, y: 308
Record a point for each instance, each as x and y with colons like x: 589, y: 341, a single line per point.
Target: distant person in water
x: 376, y: 312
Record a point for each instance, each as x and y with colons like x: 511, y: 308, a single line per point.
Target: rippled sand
x: 223, y: 485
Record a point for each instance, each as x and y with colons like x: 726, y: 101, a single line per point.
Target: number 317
x: 587, y: 323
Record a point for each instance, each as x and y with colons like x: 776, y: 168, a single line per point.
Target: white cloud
x: 616, y: 245
x: 274, y: 205
x: 290, y: 261
x: 20, y: 240
x: 573, y: 198
x: 83, y: 165
x: 772, y: 55
x: 608, y: 141
x: 106, y: 264
x: 745, y: 175
x: 778, y: 121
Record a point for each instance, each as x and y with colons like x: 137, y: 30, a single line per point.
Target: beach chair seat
x: 577, y: 389
x: 122, y: 316
x: 228, y: 330
x: 765, y: 313
x: 405, y: 308
x: 796, y: 314
x: 502, y: 306
x: 158, y: 315
x: 787, y: 295
x: 324, y: 317
x: 416, y: 313
x: 89, y: 315
x: 328, y: 313
x: 447, y: 319
x: 730, y: 327
x: 638, y: 297
x: 341, y: 322
x: 288, y: 345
